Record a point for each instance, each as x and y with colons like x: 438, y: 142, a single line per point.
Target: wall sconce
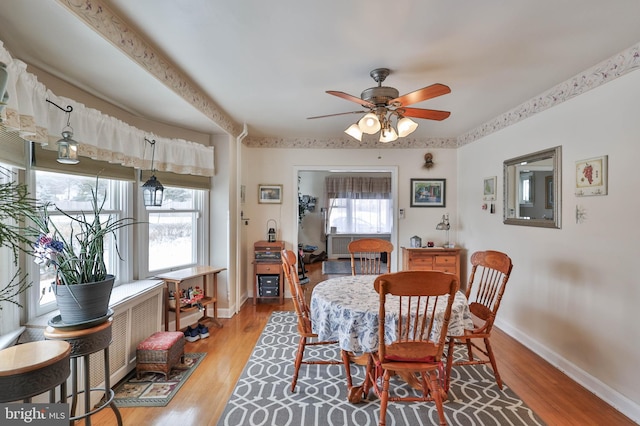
x: 67, y: 147
x: 152, y: 190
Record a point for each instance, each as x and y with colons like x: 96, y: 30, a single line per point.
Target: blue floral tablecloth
x: 346, y: 309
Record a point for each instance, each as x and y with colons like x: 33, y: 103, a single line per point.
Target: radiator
x: 137, y: 314
x: 134, y: 320
x: 338, y: 244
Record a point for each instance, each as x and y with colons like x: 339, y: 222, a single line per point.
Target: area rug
x: 342, y: 267
x: 262, y: 395
x: 152, y: 389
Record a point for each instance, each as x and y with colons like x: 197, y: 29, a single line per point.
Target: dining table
x: 346, y: 309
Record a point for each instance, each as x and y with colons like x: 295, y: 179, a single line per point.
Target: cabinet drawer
x: 423, y: 267
x: 268, y: 269
x: 421, y: 262
x: 441, y: 261
x: 451, y: 269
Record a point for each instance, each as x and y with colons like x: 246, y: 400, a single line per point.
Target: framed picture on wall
x: 591, y: 176
x: 489, y: 191
x: 269, y: 194
x: 428, y: 193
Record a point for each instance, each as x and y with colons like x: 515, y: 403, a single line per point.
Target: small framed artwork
x: 489, y: 186
x: 591, y: 176
x: 270, y: 194
x: 428, y: 193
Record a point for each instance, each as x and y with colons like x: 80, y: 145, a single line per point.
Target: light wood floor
x: 551, y: 394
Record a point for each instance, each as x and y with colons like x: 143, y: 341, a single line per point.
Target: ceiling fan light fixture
x: 369, y: 124
x: 388, y: 135
x: 354, y: 131
x: 406, y: 126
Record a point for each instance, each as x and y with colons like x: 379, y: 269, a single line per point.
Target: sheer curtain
x: 100, y: 137
x: 358, y: 204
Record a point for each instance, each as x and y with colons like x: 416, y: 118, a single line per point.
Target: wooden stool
x: 33, y: 368
x: 83, y: 343
x: 160, y: 352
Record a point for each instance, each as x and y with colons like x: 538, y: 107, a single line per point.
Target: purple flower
x: 46, y: 250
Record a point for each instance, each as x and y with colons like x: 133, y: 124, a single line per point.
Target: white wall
x: 573, y: 295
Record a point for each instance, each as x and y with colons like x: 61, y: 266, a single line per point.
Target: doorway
x: 312, y: 226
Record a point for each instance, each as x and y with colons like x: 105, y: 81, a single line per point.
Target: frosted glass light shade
x: 369, y: 123
x: 388, y: 135
x: 406, y: 126
x: 354, y: 131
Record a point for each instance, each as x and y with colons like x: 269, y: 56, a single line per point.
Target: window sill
x: 120, y: 295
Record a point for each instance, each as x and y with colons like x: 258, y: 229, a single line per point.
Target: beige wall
x: 573, y: 296
x: 280, y: 166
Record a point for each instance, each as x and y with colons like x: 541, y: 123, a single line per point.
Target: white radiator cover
x: 337, y: 244
x: 134, y: 319
x: 137, y: 313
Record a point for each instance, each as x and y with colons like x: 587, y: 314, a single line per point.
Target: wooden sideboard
x: 432, y: 259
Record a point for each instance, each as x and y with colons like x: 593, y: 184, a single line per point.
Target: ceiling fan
x: 384, y: 103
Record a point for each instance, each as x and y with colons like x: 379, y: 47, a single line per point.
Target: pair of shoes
x: 203, y: 331
x: 191, y: 334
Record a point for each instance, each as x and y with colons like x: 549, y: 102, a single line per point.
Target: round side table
x: 83, y: 343
x: 33, y: 368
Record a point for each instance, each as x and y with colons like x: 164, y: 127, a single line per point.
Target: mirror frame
x: 556, y: 155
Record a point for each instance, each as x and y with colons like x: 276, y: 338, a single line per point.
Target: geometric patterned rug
x: 152, y: 389
x: 262, y: 396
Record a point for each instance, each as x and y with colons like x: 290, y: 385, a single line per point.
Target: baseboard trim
x: 596, y: 386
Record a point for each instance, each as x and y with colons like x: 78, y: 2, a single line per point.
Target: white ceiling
x: 269, y: 63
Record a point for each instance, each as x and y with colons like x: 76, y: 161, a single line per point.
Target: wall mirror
x: 532, y: 189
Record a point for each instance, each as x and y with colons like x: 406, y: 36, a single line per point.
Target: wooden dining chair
x: 368, y: 255
x: 489, y: 275
x: 420, y: 336
x: 306, y: 335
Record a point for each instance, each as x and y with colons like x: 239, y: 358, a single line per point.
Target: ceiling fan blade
x: 423, y: 94
x: 351, y: 98
x: 340, y: 113
x: 429, y: 114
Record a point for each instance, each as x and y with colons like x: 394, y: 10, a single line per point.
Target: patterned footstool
x: 160, y: 352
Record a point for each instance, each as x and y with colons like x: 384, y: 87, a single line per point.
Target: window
x: 359, y: 204
x: 174, y: 230
x: 526, y: 188
x: 72, y: 194
x: 9, y: 313
x: 358, y: 216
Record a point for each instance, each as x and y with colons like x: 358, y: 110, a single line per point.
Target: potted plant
x: 82, y: 283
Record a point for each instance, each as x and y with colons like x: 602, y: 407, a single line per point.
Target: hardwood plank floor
x: 556, y: 398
